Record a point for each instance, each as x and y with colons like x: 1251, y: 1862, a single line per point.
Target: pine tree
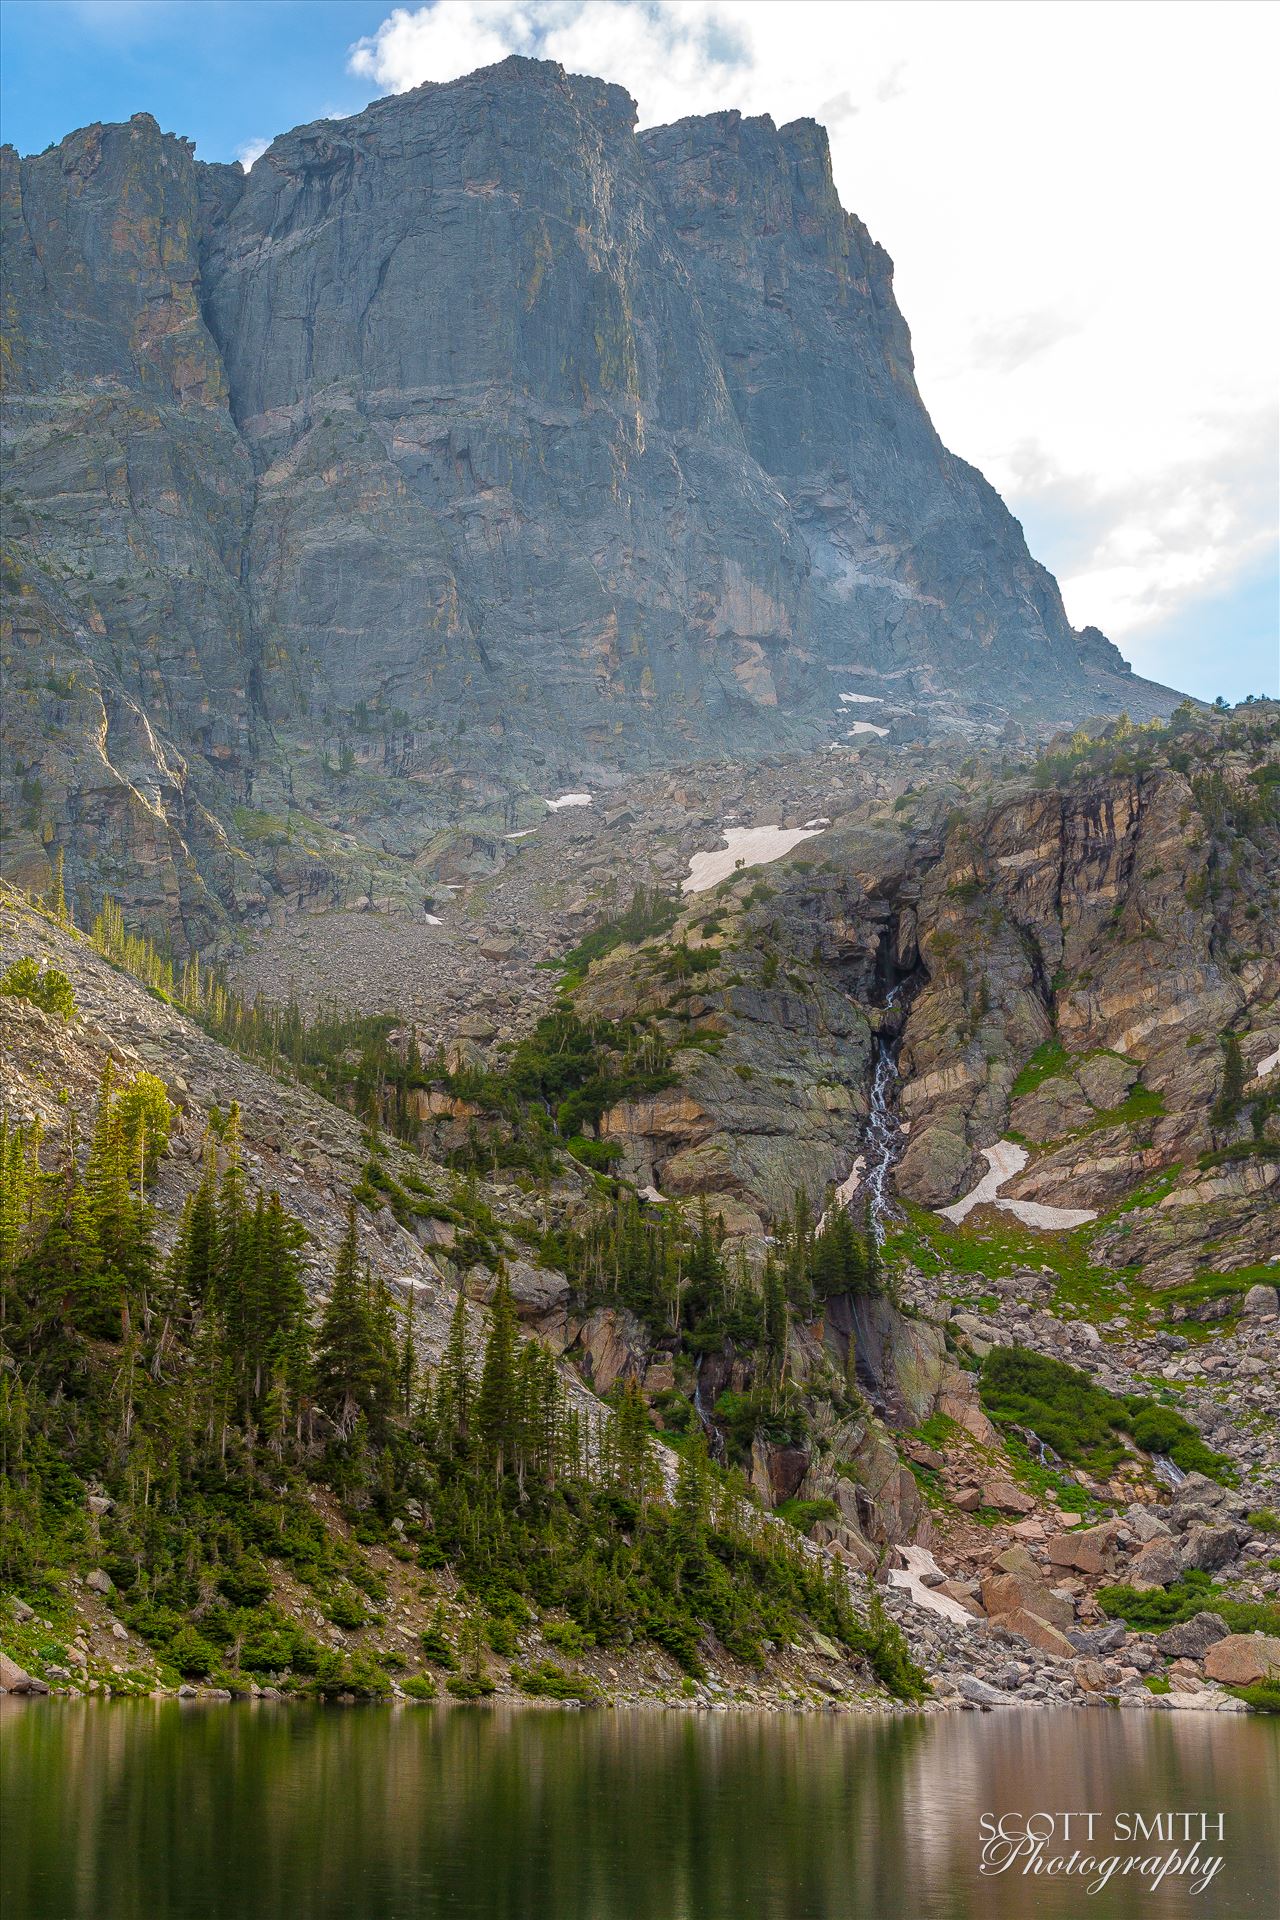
x: 342, y: 1339
x: 355, y: 1365
x: 408, y: 1358
x: 497, y: 1427
x: 455, y: 1387
x: 636, y: 1468
x: 775, y: 1315
x: 689, y: 1518
x: 119, y: 1218
x: 58, y: 892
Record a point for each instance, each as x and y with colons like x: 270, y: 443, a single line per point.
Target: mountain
x: 924, y: 1176
x: 473, y: 447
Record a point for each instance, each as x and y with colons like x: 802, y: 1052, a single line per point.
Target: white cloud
x: 1076, y: 200
x: 251, y: 150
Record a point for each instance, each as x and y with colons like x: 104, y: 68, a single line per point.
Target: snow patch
x: 865, y: 726
x: 845, y: 1191
x: 569, y: 800
x: 433, y: 919
x: 1004, y: 1160
x: 743, y: 847
x: 1268, y: 1065
x: 863, y: 699
x: 919, y: 1562
x: 815, y: 826
x: 525, y: 832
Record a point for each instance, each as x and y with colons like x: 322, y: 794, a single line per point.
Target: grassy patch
x: 1048, y: 1060
x: 1080, y: 1421
x: 803, y: 1514
x: 1151, y: 1611
x: 1264, y: 1698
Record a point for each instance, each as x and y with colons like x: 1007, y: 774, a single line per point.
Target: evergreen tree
x: 497, y: 1426
x: 408, y: 1358
x: 455, y: 1387
x: 775, y: 1315
x: 355, y: 1366
x: 636, y: 1468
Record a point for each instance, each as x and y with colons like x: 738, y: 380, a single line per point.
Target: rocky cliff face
x: 1088, y: 983
x: 466, y: 446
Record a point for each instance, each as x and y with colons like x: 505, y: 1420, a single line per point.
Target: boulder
x: 1004, y: 1593
x: 968, y: 1500
x: 1261, y: 1303
x: 1192, y: 1639
x: 1211, y: 1547
x: 1145, y: 1525
x: 961, y: 1591
x: 1037, y: 1631
x: 980, y: 1692
x: 1243, y: 1659
x: 1006, y: 1497
x: 536, y: 1290
x: 1106, y: 1080
x: 1158, y: 1565
x: 1087, y: 1549
x: 776, y: 1472
x: 660, y: 1375
x: 1098, y: 1639
x: 15, y: 1679
x: 100, y: 1581
x: 1056, y: 1107
x: 1016, y: 1559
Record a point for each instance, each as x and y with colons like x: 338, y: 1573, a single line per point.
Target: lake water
x: 158, y: 1811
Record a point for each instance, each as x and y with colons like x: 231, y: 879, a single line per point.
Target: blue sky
x: 1078, y: 230
x: 222, y: 72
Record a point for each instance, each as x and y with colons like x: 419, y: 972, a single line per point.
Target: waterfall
x: 883, y: 1135
x: 714, y: 1438
x: 1167, y: 1470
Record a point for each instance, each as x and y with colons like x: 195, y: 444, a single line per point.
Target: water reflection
x: 152, y: 1809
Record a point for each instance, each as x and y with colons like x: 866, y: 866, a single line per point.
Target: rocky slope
x: 997, y: 1597
x: 468, y: 448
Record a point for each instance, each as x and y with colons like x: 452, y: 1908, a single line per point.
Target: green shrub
x: 49, y: 990
x: 419, y: 1686
x: 803, y: 1514
x: 346, y: 1611
x: 470, y: 1686
x: 436, y: 1644
x: 191, y: 1653
x: 1263, y: 1698
x: 1047, y: 1061
x: 1080, y: 1420
x: 546, y: 1681
x: 500, y: 1633
x: 1152, y: 1610
x: 246, y: 1583
x: 566, y: 1636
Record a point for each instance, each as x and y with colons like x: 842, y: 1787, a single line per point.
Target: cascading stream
x: 884, y: 1135
x: 714, y: 1438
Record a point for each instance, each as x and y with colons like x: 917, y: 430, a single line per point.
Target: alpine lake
x: 159, y: 1810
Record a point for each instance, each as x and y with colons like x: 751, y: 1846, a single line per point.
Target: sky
x: 1079, y: 200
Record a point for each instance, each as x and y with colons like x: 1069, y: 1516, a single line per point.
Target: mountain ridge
x: 472, y: 443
